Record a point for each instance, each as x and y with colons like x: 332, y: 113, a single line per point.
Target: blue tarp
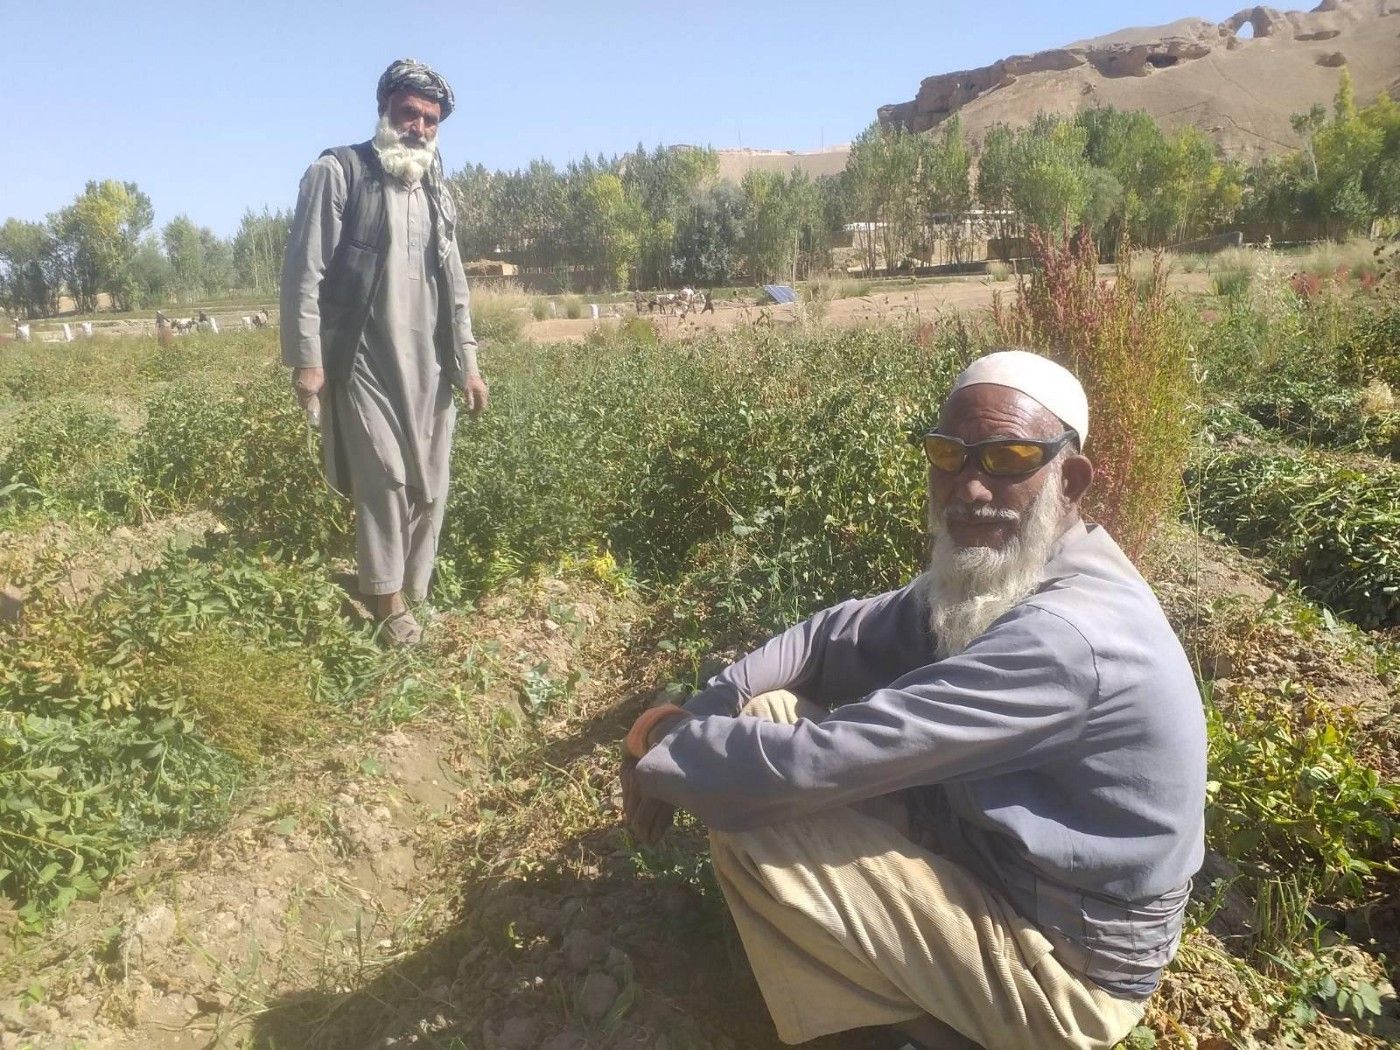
x: 781, y: 293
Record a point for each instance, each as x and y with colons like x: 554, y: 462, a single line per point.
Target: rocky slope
x: 1238, y: 85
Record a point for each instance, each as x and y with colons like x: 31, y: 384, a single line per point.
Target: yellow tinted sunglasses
x: 999, y: 457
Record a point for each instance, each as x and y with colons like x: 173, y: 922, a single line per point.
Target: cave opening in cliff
x: 1162, y: 61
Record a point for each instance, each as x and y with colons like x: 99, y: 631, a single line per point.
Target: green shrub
x: 248, y: 457
x: 1292, y: 806
x: 1321, y: 413
x: 1331, y: 526
x: 496, y: 317
x: 59, y: 449
x: 1232, y: 282
x: 1126, y: 343
x: 111, y: 712
x: 573, y: 307
x: 769, y: 469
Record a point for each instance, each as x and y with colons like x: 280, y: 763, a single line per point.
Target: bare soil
x: 460, y: 880
x: 923, y: 302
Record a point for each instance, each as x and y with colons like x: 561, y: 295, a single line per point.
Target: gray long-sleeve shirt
x: 395, y: 388
x: 1061, y: 755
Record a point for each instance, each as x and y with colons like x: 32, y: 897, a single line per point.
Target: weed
x: 1128, y: 348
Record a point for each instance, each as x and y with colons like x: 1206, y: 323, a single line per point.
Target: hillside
x: 1240, y: 89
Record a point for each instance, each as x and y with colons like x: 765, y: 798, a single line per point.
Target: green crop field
x: 202, y: 746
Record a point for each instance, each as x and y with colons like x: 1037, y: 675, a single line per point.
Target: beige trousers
x: 848, y: 923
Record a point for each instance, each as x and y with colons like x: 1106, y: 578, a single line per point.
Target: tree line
x: 103, y: 243
x: 659, y: 218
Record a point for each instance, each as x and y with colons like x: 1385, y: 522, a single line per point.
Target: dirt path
x: 330, y: 874
x: 963, y: 294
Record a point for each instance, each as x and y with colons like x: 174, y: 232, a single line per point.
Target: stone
x: 151, y: 929
x: 11, y: 604
x: 581, y: 948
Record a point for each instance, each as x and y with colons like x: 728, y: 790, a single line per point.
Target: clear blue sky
x: 214, y: 107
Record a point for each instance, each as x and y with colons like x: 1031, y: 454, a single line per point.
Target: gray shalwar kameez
x: 388, y: 429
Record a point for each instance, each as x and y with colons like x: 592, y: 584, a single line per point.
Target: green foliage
x: 1344, y: 176
x: 29, y: 269
x: 608, y: 224
x: 497, y: 313
x: 247, y: 457
x: 200, y: 263
x: 1325, y: 414
x: 1313, y: 977
x: 1231, y: 281
x: 1128, y: 348
x: 97, y: 237
x: 1330, y: 525
x: 777, y: 210
x: 258, y: 247
x: 57, y: 450
x: 1288, y: 798
x: 731, y: 461
x: 107, y: 709
x: 1171, y: 185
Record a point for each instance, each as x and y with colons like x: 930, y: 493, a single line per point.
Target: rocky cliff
x: 1238, y: 85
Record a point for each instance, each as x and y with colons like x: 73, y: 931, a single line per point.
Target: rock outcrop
x: 1239, y: 89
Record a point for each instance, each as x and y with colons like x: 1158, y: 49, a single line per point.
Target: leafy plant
x: 1290, y: 802
x: 1127, y: 347
x: 1329, y: 524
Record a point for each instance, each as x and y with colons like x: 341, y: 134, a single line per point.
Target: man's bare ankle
x: 386, y: 605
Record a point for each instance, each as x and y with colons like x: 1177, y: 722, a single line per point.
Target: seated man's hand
x: 646, y: 818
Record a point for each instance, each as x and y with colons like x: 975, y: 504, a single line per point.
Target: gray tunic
x: 1061, y: 755
x: 394, y: 395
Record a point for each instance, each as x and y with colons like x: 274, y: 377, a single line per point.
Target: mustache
x: 980, y: 513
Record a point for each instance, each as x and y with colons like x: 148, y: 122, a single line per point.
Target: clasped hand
x: 645, y: 817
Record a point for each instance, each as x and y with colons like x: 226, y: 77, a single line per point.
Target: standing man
x: 970, y: 807
x: 376, y: 325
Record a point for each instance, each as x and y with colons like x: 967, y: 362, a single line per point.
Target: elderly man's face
x: 964, y: 500
x: 414, y: 117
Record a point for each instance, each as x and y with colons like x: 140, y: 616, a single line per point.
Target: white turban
x: 1054, y: 386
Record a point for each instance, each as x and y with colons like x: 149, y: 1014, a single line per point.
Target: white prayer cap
x: 1054, y: 386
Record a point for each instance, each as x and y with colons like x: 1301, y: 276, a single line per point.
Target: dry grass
x: 499, y: 310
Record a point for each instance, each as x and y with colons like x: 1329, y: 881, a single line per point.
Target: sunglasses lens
x: 1012, y: 458
x: 944, y: 453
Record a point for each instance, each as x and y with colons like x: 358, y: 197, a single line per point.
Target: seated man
x: 974, y: 803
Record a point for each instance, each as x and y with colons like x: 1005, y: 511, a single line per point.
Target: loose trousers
x: 396, y: 526
x: 848, y: 923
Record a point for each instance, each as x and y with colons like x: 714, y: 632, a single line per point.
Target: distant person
x: 375, y: 323
x: 971, y: 807
x: 709, y: 306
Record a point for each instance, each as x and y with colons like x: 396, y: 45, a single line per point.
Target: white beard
x: 968, y: 587
x: 406, y: 163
